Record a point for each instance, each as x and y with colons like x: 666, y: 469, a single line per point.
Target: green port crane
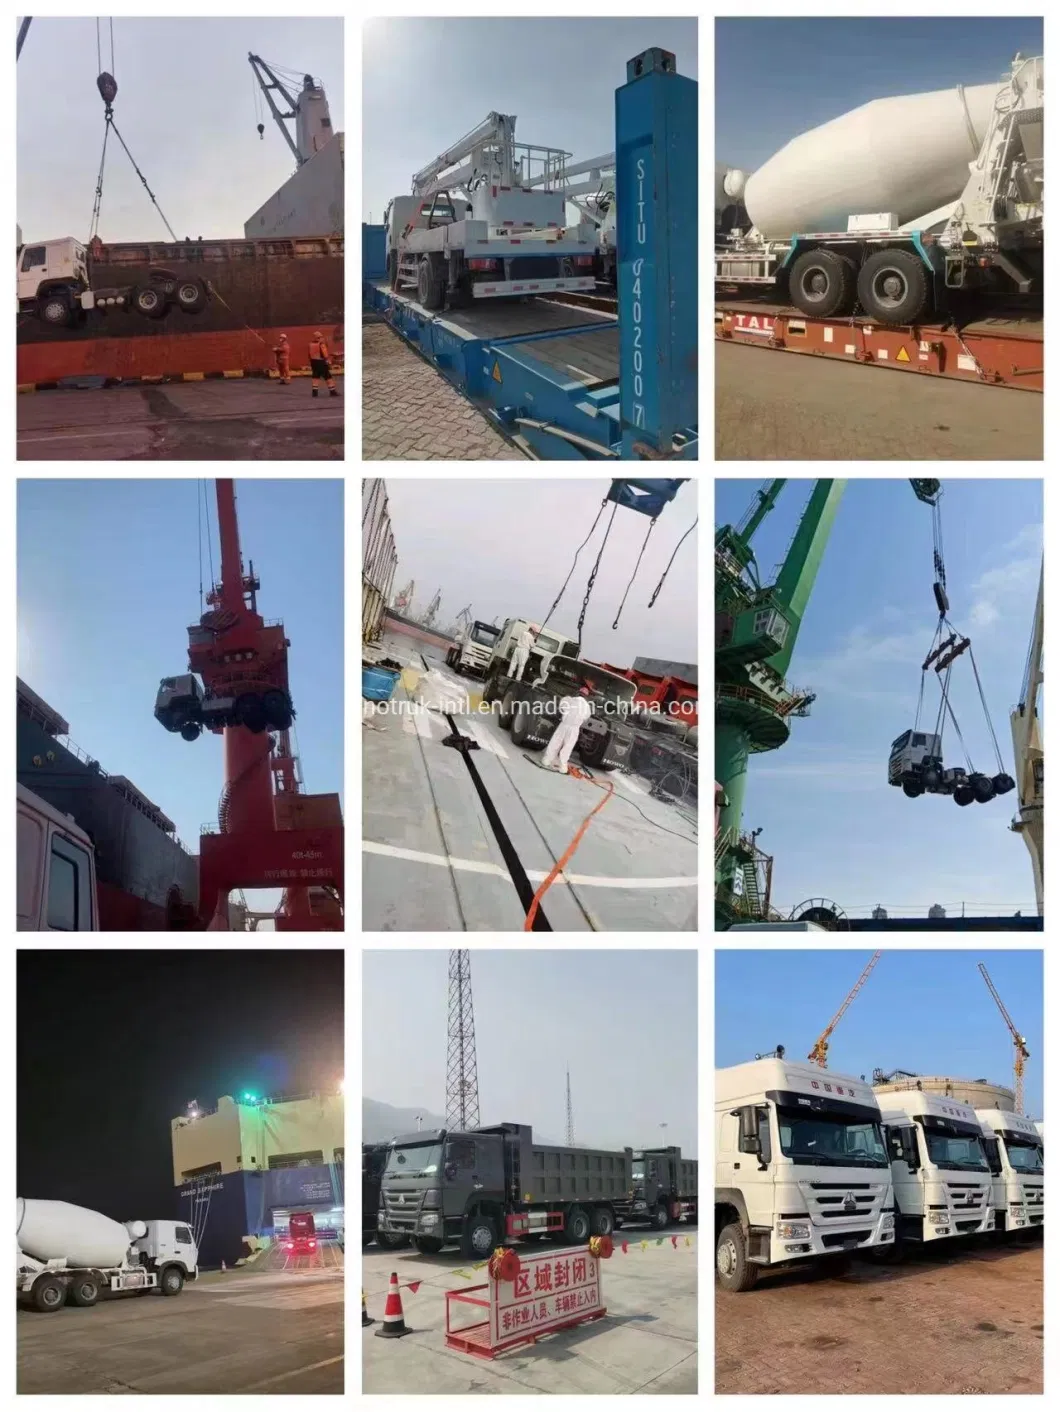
x: 756, y: 628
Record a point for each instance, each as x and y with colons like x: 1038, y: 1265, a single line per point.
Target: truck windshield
x: 955, y: 1153
x: 483, y: 635
x: 415, y: 1161
x: 638, y: 1171
x: 1024, y: 1156
x: 825, y: 1141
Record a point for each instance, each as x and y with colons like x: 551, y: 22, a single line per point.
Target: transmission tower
x: 570, y: 1115
x: 461, y: 1075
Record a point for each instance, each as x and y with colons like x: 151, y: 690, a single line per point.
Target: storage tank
x: 907, y: 155
x: 57, y: 1230
x: 978, y: 1093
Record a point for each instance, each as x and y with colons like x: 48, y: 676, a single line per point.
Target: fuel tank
x: 908, y: 155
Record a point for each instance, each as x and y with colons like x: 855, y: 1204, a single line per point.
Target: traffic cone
x: 393, y: 1325
x: 224, y: 1268
x: 365, y: 1320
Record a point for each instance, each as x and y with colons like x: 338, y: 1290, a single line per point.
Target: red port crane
x: 819, y: 1052
x: 268, y: 835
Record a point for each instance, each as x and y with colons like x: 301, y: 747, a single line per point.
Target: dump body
x: 494, y: 1184
x: 801, y: 1169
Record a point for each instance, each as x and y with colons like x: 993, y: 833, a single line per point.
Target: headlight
x: 788, y: 1230
x: 888, y: 1221
x: 433, y: 1197
x: 429, y: 1220
x: 938, y: 1218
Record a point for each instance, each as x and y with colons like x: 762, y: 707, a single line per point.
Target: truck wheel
x: 192, y: 295
x: 982, y: 788
x: 56, y: 309
x: 191, y: 730
x: 49, y: 1294
x: 504, y: 715
x: 430, y: 283
x: 149, y: 300
x: 893, y: 287
x: 426, y: 1245
x: 277, y: 710
x: 911, y: 790
x: 602, y: 1221
x: 523, y: 733
x: 822, y: 283
x: 83, y: 1292
x: 735, y: 1272
x: 577, y: 1228
x: 963, y: 795
x: 249, y: 712
x: 660, y: 1217
x: 172, y: 1281
x: 479, y: 1239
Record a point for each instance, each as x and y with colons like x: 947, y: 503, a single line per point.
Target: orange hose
x: 571, y: 848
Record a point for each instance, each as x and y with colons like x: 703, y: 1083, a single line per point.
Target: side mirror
x: 910, y: 1153
x: 450, y: 1171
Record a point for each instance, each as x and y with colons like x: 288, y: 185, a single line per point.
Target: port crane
x: 269, y: 832
x: 308, y: 109
x: 819, y: 1053
x: 1021, y: 1052
x: 756, y: 629
x: 1026, y: 727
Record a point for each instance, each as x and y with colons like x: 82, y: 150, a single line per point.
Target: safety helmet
x: 585, y: 691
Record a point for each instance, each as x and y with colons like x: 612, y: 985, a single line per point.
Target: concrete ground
x: 776, y: 406
x: 964, y: 1320
x: 228, y: 420
x: 241, y: 1332
x: 430, y: 859
x: 645, y: 1344
x: 410, y: 412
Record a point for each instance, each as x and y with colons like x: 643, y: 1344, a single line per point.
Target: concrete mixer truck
x: 69, y: 1254
x: 898, y: 207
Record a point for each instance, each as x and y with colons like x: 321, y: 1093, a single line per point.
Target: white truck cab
x: 547, y: 644
x: 473, y: 648
x: 801, y: 1168
x: 1013, y: 1147
x: 56, y: 865
x: 942, y: 1182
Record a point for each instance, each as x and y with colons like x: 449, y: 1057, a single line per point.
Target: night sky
x: 113, y: 1044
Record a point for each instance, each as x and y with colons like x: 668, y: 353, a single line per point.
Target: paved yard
x: 412, y: 414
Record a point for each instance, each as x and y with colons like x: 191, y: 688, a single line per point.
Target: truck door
x: 32, y: 269
x: 56, y: 879
x: 473, y: 1168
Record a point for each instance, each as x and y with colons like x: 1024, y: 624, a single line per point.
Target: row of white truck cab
x: 811, y: 1164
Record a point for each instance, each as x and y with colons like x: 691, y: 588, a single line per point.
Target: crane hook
x: 261, y: 131
x: 108, y: 88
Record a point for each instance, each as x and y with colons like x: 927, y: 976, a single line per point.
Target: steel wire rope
x: 592, y: 577
x: 673, y: 556
x: 574, y: 565
x: 633, y: 575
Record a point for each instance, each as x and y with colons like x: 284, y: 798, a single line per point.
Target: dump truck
x: 531, y: 711
x: 183, y: 706
x: 70, y: 1254
x: 900, y: 206
x: 373, y: 1163
x: 494, y: 1185
x: 54, y: 279
x: 1013, y: 1148
x: 665, y: 1187
x: 942, y: 1183
x: 801, y: 1170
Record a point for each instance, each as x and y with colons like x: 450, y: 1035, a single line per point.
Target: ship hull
x: 142, y: 871
x: 262, y: 288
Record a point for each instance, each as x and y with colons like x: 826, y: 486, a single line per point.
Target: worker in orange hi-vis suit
x: 318, y: 364
x: 283, y: 359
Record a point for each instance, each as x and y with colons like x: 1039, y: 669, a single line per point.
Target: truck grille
x: 835, y: 1203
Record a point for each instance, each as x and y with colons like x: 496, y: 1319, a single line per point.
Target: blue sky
x: 625, y: 1021
x: 832, y: 822
x: 427, y: 82
x: 108, y: 581
x: 186, y: 109
x: 925, y: 1011
x: 799, y: 73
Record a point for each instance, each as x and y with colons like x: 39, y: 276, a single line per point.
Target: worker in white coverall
x: 523, y: 643
x: 574, y: 712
